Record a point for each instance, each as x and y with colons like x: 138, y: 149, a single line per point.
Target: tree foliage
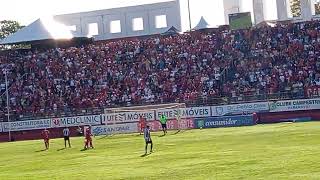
x: 8, y: 27
x: 295, y: 6
x: 317, y: 8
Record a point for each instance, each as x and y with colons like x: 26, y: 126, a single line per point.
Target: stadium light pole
x: 8, y: 103
x: 189, y: 11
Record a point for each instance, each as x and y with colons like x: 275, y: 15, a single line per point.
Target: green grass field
x: 278, y: 151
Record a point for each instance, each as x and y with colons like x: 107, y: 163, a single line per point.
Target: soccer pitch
x: 278, y: 151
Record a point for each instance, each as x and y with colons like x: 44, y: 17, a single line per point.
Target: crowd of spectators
x: 158, y: 69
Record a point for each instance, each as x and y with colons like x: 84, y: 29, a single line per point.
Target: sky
x: 27, y: 11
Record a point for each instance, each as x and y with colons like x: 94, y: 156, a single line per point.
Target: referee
x: 163, y: 121
x: 66, y: 135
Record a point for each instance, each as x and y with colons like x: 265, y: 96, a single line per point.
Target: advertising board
x: 294, y: 105
x: 76, y: 121
x: 114, y: 129
x: 225, y: 121
x: 26, y: 125
x: 172, y: 124
x: 126, y: 117
x: 191, y: 112
x: 236, y: 109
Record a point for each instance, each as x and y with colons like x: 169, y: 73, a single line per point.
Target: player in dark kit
x: 66, y: 136
x: 45, y: 135
x: 147, y: 138
x: 88, y: 141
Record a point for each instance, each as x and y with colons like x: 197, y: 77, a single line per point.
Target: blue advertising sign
x: 225, y: 121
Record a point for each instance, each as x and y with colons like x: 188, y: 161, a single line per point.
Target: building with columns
x: 263, y: 10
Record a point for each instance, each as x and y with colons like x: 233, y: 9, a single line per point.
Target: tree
x: 8, y: 27
x: 317, y: 8
x: 295, y: 6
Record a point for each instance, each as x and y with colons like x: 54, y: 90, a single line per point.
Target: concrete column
x: 306, y: 11
x: 258, y: 11
x: 230, y: 7
x: 282, y: 8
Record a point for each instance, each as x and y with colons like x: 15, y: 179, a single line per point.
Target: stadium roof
x: 41, y: 29
x: 202, y: 24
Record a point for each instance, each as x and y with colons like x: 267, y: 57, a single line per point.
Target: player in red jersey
x: 45, y: 135
x: 142, y: 124
x: 88, y: 140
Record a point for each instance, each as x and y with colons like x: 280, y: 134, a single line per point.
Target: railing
x: 199, y: 101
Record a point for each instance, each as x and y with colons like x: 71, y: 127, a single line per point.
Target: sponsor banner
x: 294, y: 105
x: 224, y: 121
x: 239, y: 108
x: 192, y: 112
x: 26, y: 125
x: 172, y: 124
x: 114, y: 129
x: 76, y: 121
x: 0, y: 127
x: 126, y: 117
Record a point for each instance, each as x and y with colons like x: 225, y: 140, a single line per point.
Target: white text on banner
x: 191, y: 112
x: 126, y: 117
x: 114, y: 129
x: 26, y: 125
x: 235, y: 109
x: 294, y: 105
x: 76, y: 121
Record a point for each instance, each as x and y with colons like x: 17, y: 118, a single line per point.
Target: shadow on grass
x: 162, y: 135
x: 145, y: 155
x: 179, y: 132
x: 41, y: 150
x: 106, y: 136
x: 61, y: 149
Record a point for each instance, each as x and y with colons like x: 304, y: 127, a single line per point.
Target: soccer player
x: 163, y: 121
x: 142, y: 124
x: 66, y: 136
x: 45, y: 135
x: 88, y: 140
x: 147, y: 138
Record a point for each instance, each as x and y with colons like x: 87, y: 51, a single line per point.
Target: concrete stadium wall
x: 36, y: 134
x: 125, y: 15
x: 278, y: 117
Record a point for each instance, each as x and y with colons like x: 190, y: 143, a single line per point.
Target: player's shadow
x: 61, y: 149
x: 162, y: 135
x: 84, y: 149
x: 41, y: 150
x: 145, y: 155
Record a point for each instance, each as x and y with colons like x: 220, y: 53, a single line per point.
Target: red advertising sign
x: 172, y: 124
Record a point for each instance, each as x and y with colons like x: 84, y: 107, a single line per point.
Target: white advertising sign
x: 0, y: 127
x: 239, y: 108
x: 114, y: 129
x: 294, y: 105
x: 191, y: 112
x: 126, y: 117
x: 26, y: 125
x: 76, y: 121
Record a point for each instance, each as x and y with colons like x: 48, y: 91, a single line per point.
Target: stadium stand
x: 216, y: 66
